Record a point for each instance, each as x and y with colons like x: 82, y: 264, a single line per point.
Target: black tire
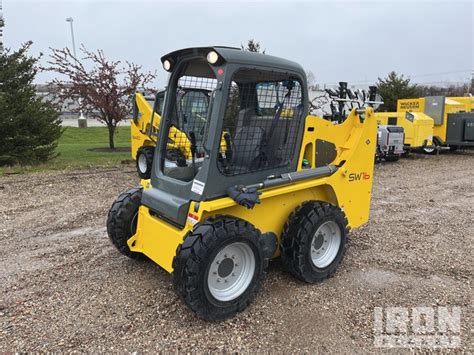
x: 147, y: 154
x: 453, y: 148
x: 429, y: 150
x: 296, y: 241
x: 193, y: 260
x: 122, y: 221
x: 392, y: 158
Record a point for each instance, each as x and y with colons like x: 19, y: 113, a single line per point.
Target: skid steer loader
x: 192, y: 104
x: 266, y: 180
x: 143, y: 130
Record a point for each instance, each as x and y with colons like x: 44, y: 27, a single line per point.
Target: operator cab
x: 229, y: 118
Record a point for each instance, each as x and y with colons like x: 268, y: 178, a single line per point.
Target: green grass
x: 74, y: 150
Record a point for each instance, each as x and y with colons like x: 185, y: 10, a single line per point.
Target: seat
x: 247, y: 145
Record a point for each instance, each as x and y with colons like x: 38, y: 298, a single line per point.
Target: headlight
x: 167, y: 65
x: 212, y: 57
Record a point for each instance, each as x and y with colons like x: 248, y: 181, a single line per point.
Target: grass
x: 74, y: 148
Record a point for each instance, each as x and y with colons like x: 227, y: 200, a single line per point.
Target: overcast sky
x: 349, y: 41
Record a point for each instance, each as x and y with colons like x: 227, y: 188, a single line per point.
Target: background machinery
x: 390, y: 142
x: 143, y: 130
x: 417, y: 128
x: 191, y: 104
x: 452, y: 119
x: 207, y: 219
x: 390, y: 136
x: 433, y: 122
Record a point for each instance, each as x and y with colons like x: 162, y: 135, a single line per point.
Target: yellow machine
x: 143, y: 130
x: 467, y: 101
x: 453, y: 118
x: 417, y: 126
x: 285, y: 184
x: 146, y: 120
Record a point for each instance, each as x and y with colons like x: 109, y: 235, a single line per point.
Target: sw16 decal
x: 358, y: 176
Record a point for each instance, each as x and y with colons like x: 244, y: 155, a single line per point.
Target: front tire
x: 313, y: 241
x: 122, y: 221
x: 219, y: 268
x: 144, y: 161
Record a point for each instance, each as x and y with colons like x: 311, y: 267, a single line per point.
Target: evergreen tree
x: 29, y: 126
x: 395, y: 87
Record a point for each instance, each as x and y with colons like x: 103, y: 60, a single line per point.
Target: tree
x: 252, y: 46
x: 320, y: 104
x: 395, y: 87
x: 233, y: 106
x: 103, y: 91
x: 451, y: 90
x: 311, y: 78
x: 29, y: 126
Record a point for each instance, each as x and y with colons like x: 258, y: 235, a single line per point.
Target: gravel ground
x: 64, y: 287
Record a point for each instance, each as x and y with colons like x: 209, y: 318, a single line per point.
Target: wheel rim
x: 142, y: 163
x: 231, y: 271
x: 429, y: 150
x: 325, y: 244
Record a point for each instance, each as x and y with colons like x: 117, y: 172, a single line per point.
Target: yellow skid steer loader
x: 283, y: 184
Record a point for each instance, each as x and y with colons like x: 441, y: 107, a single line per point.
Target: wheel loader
x: 192, y: 104
x: 266, y: 181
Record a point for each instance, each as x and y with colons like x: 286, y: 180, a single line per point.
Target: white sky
x: 431, y: 41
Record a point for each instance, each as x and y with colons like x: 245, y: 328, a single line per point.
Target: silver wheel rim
x: 325, y: 244
x: 231, y: 272
x: 429, y: 150
x: 142, y: 163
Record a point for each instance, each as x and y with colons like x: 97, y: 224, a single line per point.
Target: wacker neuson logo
x: 409, y: 105
x: 417, y: 327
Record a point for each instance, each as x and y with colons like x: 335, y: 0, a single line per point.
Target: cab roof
x: 238, y: 56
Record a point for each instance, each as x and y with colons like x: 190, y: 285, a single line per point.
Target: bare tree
x: 311, y: 78
x: 319, y: 105
x: 252, y: 46
x: 104, y: 88
x: 451, y: 90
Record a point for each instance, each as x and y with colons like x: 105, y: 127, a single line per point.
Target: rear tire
x: 122, y: 221
x: 144, y: 161
x: 313, y: 241
x: 219, y: 268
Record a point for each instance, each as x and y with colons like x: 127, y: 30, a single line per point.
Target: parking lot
x: 65, y: 287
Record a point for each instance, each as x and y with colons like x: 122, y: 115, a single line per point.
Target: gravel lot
x: 64, y: 287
